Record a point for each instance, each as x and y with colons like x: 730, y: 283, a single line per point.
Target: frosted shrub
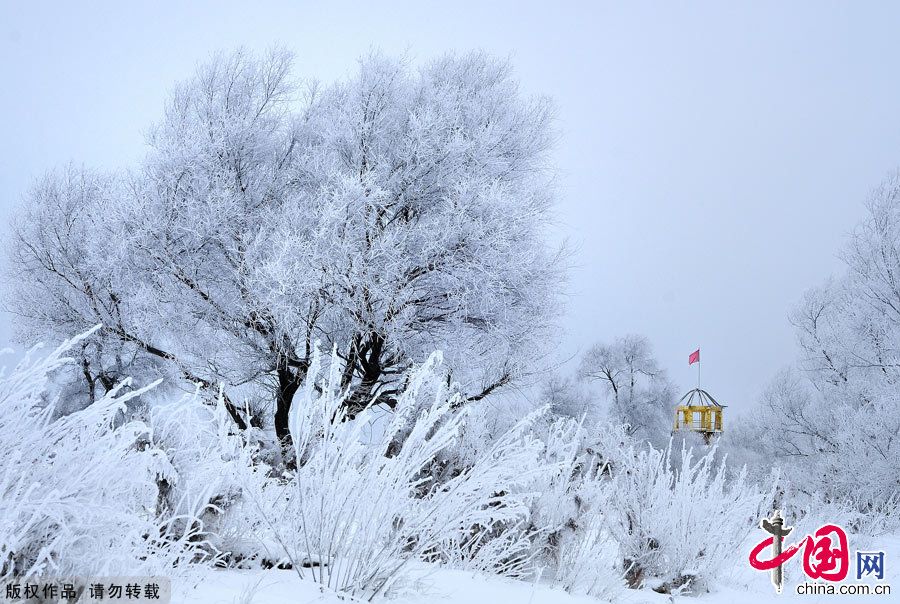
x: 506, y: 548
x: 556, y: 503
x: 552, y: 505
x: 212, y: 465
x: 575, y: 544
x: 677, y: 526
x: 78, y: 494
x: 861, y: 515
x: 587, y: 558
x: 363, y: 505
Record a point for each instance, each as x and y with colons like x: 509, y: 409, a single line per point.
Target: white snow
x: 742, y: 585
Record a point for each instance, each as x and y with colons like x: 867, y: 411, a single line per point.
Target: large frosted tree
x: 397, y: 212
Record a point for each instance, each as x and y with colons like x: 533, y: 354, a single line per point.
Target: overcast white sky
x: 713, y: 155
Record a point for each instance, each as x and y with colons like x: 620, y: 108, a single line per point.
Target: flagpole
x: 698, y: 373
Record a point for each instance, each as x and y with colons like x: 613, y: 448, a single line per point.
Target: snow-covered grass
x: 79, y: 493
x: 359, y: 509
x: 676, y: 526
x: 578, y: 552
x: 550, y: 511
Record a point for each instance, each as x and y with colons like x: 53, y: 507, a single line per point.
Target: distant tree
x: 833, y: 423
x: 569, y: 397
x: 396, y: 213
x: 639, y: 392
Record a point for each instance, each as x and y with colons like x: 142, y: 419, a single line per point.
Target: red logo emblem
x: 826, y: 553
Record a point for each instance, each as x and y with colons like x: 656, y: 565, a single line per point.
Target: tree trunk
x: 288, y: 383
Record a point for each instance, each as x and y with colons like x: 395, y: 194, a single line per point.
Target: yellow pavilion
x: 698, y: 411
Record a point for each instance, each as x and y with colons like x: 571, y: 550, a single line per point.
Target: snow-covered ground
x: 442, y: 586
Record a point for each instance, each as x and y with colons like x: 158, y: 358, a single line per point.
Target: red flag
x: 694, y: 358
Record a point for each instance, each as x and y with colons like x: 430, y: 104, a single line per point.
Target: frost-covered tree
x: 834, y: 422
x: 568, y: 396
x: 391, y: 214
x: 639, y: 392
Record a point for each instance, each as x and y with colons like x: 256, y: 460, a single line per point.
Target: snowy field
x: 742, y: 585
